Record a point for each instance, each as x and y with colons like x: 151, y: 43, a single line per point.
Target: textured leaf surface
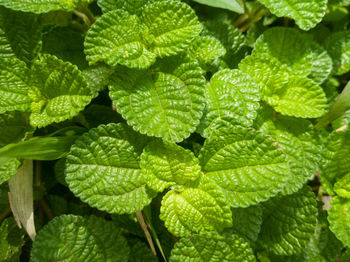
x: 13, y: 126
x: 97, y: 77
x: 247, y: 165
x: 23, y: 33
x: 8, y: 169
x: 335, y: 159
x: 338, y: 47
x: 59, y: 91
x: 172, y: 26
x: 74, y: 238
x: 102, y: 169
x: 289, y: 222
x: 289, y: 94
x: 116, y: 38
x: 132, y: 6
x: 231, y: 96
x: 14, y: 86
x: 39, y: 6
x: 342, y: 187
x: 297, y: 51
x: 11, y: 240
x: 167, y: 164
x: 306, y: 13
x: 195, y: 209
x: 232, y: 5
x: 167, y: 103
x: 247, y: 222
x: 298, y: 140
x: 212, y: 247
x: 339, y: 219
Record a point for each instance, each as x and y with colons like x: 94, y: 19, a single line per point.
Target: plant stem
x: 143, y: 225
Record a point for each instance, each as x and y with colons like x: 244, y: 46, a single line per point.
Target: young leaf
x: 39, y: 6
x: 338, y: 45
x: 296, y: 50
x: 102, y: 169
x: 335, y: 159
x: 11, y: 240
x: 339, y: 219
x: 232, y: 5
x: 289, y: 94
x: 167, y: 164
x: 248, y: 165
x: 166, y: 102
x: 231, y: 96
x: 74, y: 238
x: 172, y: 26
x: 289, y: 222
x: 186, y: 210
x: 23, y: 33
x: 14, y: 85
x: 59, y: 91
x: 116, y: 38
x: 306, y: 13
x: 212, y: 247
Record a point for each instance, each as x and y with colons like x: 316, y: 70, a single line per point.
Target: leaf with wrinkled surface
x: 103, y: 170
x: 39, y: 6
x: 339, y: 219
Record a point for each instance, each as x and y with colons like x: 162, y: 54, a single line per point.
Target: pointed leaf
x: 200, y: 208
x: 212, y: 247
x: 166, y: 102
x: 289, y: 222
x: 74, y: 238
x: 102, y: 169
x: 167, y: 164
x: 59, y: 91
x: 248, y: 165
x: 306, y: 13
x: 339, y: 219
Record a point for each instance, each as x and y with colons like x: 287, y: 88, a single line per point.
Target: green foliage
x: 176, y: 130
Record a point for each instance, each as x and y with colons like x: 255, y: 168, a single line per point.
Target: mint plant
x: 174, y: 130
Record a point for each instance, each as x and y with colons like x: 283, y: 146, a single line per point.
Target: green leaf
x: 13, y: 127
x: 59, y: 171
x: 339, y: 219
x: 23, y: 33
x: 172, y: 26
x: 11, y: 240
x: 298, y: 140
x: 39, y: 6
x: 212, y: 247
x: 134, y: 7
x: 102, y: 169
x: 200, y: 208
x: 59, y: 91
x: 289, y: 222
x: 335, y: 159
x: 232, y: 5
x: 247, y: 222
x: 39, y: 148
x: 342, y: 187
x: 97, y: 77
x: 338, y: 46
x: 206, y: 50
x: 141, y: 251
x: 74, y: 238
x: 167, y: 164
x: 116, y: 38
x: 231, y: 96
x: 165, y: 102
x: 306, y: 13
x: 296, y: 50
x: 248, y: 165
x: 8, y: 169
x: 289, y: 94
x: 14, y: 85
